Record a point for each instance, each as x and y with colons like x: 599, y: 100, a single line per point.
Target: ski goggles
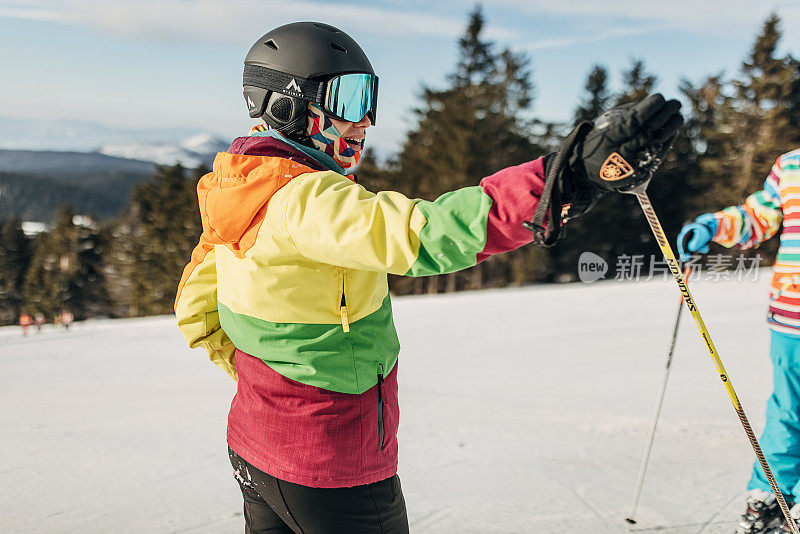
x: 347, y: 97
x: 351, y: 97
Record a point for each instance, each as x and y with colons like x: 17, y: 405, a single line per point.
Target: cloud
x: 706, y: 16
x: 584, y: 38
x: 32, y: 10
x: 236, y: 21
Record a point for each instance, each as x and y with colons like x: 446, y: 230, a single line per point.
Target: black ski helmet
x: 287, y: 68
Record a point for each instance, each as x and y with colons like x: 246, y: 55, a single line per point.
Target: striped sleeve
x: 757, y: 219
x: 332, y: 220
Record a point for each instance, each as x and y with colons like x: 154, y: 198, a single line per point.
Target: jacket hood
x: 234, y: 196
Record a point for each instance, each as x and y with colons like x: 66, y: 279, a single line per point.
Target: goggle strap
x: 281, y: 82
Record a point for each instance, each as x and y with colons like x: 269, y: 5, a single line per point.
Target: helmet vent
x: 281, y: 109
x: 326, y: 27
x: 337, y: 46
x: 271, y: 44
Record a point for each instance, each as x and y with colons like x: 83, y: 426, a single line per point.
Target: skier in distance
x: 287, y: 289
x: 25, y: 321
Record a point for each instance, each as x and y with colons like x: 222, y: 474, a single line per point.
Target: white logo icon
x: 250, y: 103
x: 293, y: 86
x: 591, y: 268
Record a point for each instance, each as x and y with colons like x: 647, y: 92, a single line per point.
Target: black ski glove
x: 619, y: 150
x: 626, y: 144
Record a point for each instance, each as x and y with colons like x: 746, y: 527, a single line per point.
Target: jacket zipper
x: 343, y: 309
x: 380, y: 407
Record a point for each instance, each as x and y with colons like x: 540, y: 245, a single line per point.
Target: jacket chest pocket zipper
x: 343, y: 309
x: 380, y: 407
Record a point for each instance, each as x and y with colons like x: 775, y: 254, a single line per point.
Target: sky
x: 177, y: 63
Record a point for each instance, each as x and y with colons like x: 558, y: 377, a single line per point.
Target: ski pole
x: 650, y: 214
x: 656, y: 412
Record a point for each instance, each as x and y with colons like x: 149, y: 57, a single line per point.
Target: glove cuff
x: 547, y: 219
x: 710, y: 221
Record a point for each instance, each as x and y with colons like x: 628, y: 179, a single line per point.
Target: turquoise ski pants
x: 781, y: 438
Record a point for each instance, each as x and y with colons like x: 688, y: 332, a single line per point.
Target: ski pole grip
x: 682, y: 239
x: 688, y: 232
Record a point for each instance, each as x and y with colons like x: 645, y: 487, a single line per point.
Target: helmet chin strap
x: 326, y: 138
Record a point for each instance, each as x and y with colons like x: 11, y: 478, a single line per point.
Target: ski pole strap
x: 547, y: 233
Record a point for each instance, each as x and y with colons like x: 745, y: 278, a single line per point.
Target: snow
x: 160, y: 153
x: 32, y: 228
x: 79, y: 136
x: 84, y: 221
x: 191, y: 152
x: 204, y: 143
x: 523, y: 410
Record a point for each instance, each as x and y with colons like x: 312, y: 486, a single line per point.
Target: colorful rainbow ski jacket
x: 287, y: 292
x: 759, y: 219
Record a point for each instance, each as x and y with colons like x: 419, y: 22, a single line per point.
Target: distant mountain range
x: 64, y: 166
x: 163, y: 146
x: 90, y: 167
x: 81, y: 136
x: 34, y: 184
x: 191, y: 152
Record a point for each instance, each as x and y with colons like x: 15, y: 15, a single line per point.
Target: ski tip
x: 631, y: 521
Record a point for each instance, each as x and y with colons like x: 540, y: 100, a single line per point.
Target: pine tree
x: 371, y: 174
x: 767, y: 93
x: 638, y: 83
x: 615, y: 228
x: 165, y: 227
x: 88, y: 284
x: 750, y: 120
x: 14, y: 260
x: 476, y: 59
x: 67, y: 269
x: 120, y: 259
x: 742, y: 125
x: 711, y: 108
x: 597, y: 95
x: 46, y: 281
x: 469, y: 130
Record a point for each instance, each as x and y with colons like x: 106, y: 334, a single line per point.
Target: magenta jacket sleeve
x: 515, y: 193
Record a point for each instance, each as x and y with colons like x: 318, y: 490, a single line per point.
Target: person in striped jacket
x: 747, y: 226
x: 287, y: 289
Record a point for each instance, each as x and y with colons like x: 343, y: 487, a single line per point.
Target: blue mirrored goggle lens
x: 351, y: 96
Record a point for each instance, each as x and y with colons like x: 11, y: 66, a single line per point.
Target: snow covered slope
x: 523, y: 410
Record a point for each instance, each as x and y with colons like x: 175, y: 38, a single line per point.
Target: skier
x: 25, y: 321
x: 287, y: 288
x: 746, y: 226
x: 39, y: 321
x: 66, y: 318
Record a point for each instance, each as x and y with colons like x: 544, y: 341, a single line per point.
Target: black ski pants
x: 275, y: 506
